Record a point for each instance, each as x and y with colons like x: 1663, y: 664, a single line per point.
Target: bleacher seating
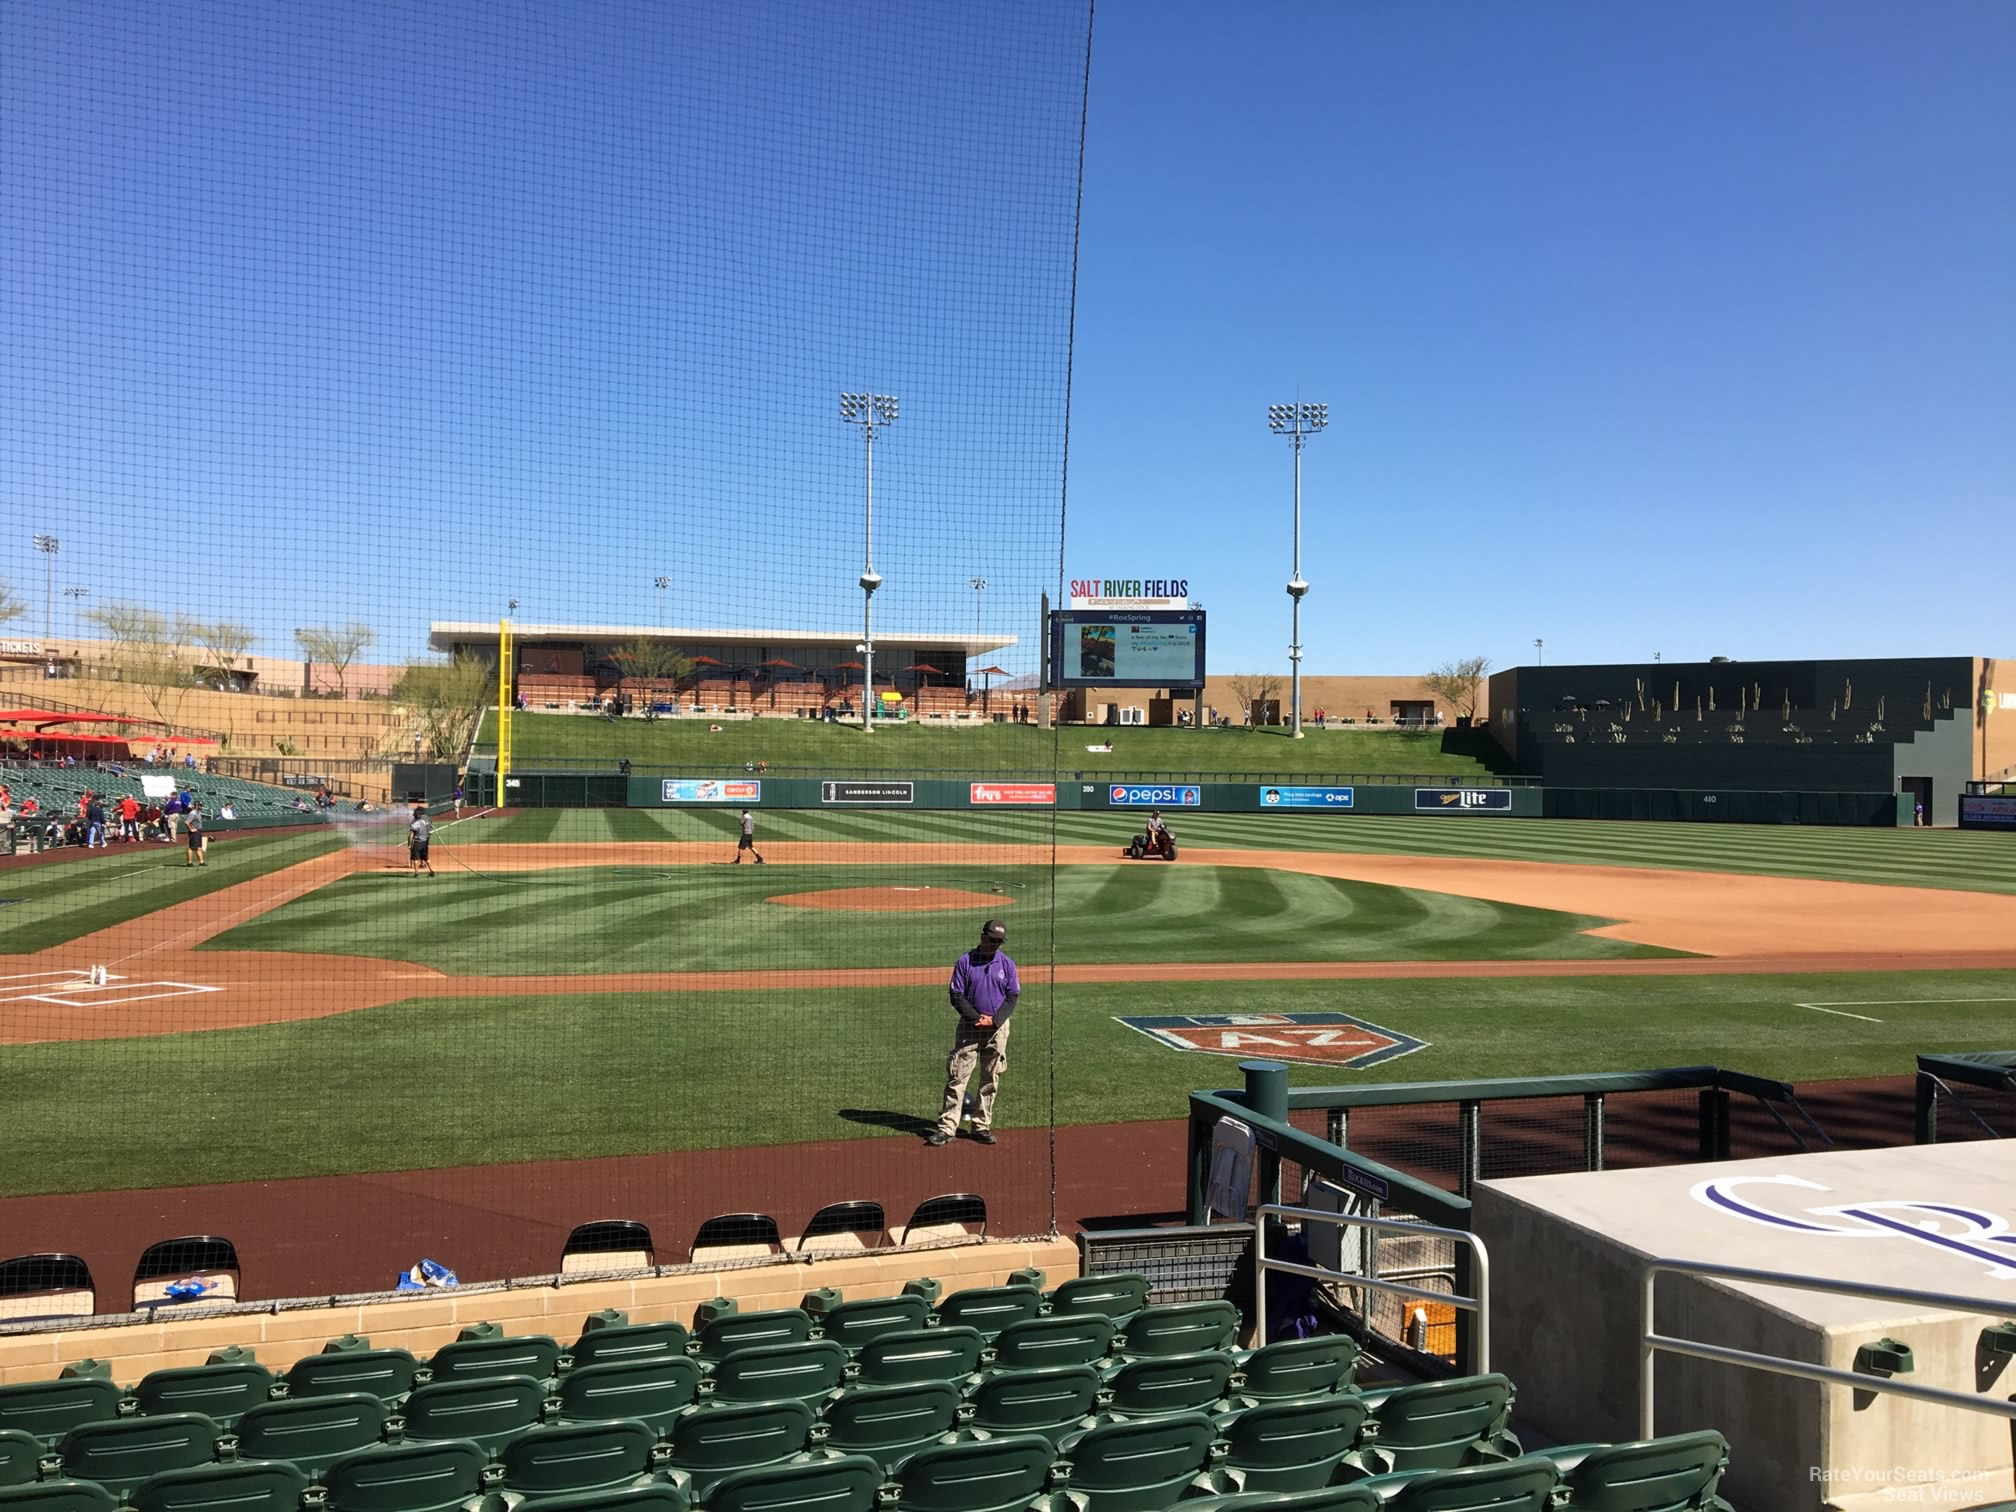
x: 836, y: 1404
x: 257, y: 805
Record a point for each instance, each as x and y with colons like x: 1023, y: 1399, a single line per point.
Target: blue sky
x: 1643, y: 328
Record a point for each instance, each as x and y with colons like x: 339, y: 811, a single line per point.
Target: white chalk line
x: 1837, y: 1006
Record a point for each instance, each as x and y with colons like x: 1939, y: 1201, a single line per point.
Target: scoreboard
x: 1121, y: 648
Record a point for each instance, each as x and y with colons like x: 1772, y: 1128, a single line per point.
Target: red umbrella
x: 990, y: 672
x: 705, y: 661
x: 778, y: 661
x: 924, y: 667
x: 847, y: 667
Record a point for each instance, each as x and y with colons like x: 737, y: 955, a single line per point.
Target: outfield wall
x: 533, y: 789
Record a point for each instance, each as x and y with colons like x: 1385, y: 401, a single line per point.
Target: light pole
x: 1298, y: 422
x: 48, y: 545
x: 871, y: 412
x: 1540, y: 650
x: 74, y: 594
x: 979, y: 587
x: 663, y: 583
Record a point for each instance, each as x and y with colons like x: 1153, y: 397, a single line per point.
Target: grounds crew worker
x: 984, y: 990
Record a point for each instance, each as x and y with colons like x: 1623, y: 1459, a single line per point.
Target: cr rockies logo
x: 1966, y: 1232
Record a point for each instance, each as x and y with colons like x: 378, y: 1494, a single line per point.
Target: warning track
x: 1732, y: 924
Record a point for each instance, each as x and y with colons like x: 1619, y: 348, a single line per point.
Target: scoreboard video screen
x: 1118, y: 648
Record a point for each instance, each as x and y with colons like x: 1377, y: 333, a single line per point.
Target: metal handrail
x: 1479, y: 1304
x: 1651, y: 1343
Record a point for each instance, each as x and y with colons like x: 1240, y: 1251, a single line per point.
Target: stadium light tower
x: 663, y: 583
x: 871, y: 412
x: 979, y: 587
x: 48, y: 545
x: 74, y: 594
x: 1298, y: 422
x: 1540, y: 651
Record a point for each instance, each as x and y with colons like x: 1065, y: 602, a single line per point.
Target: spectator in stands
x: 152, y: 822
x: 94, y: 823
x: 129, y: 817
x: 6, y: 824
x: 983, y: 991
x: 229, y: 811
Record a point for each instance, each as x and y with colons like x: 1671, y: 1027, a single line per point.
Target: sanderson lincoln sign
x: 1130, y: 593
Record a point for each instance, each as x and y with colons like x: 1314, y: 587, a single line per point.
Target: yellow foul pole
x: 503, y: 706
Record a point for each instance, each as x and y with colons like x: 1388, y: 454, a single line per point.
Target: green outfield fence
x: 554, y: 786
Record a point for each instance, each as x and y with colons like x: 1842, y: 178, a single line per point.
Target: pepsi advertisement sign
x: 1143, y: 795
x: 1306, y: 797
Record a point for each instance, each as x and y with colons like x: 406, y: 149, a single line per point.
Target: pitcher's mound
x: 892, y: 899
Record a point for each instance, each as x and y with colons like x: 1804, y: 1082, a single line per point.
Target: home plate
x: 63, y: 989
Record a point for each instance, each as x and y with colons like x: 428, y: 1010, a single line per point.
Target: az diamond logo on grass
x: 1319, y: 1039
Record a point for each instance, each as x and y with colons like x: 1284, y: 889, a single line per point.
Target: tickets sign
x: 1018, y: 794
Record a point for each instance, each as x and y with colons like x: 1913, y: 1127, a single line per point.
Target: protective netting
x: 356, y: 347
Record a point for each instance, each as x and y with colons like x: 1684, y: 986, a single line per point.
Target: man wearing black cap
x: 984, y: 990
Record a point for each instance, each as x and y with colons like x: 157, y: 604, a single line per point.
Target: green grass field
x: 1966, y: 860
x: 51, y: 904
x: 788, y: 745
x: 462, y: 1081
x: 699, y: 918
x: 444, y: 1082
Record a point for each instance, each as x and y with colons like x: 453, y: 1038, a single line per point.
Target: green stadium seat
x: 1118, y: 1297
x: 46, y: 1410
x: 1139, y: 1466
x: 627, y: 1341
x: 20, y: 1457
x: 653, y: 1390
x: 262, y: 1486
x: 221, y: 1392
x: 1677, y: 1473
x: 312, y: 1433
x: 890, y: 1423
x: 1515, y: 1485
x: 58, y: 1496
x: 653, y: 1496
x: 406, y: 1478
x: 999, y: 1475
x: 565, y: 1458
x: 489, y: 1411
x: 606, y: 1245
x: 349, y: 1365
x: 1296, y: 1369
x: 706, y: 1445
x: 1161, y: 1385
x: 1330, y: 1499
x: 1179, y: 1328
x: 806, y: 1372
x: 919, y: 1354
x: 722, y: 1336
x: 1039, y: 1342
x: 123, y: 1452
x: 1441, y: 1425
x: 990, y: 1308
x: 484, y: 1351
x: 852, y: 1324
x: 1053, y: 1401
x: 849, y: 1483
x: 1290, y: 1446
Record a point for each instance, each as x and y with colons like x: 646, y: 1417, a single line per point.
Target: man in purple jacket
x: 984, y: 990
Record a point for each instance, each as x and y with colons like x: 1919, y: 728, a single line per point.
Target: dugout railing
x: 1978, y: 1086
x: 1303, y: 1137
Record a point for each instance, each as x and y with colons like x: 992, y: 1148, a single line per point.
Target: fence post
x: 1925, y: 1110
x: 1267, y: 1097
x: 1470, y: 1148
x: 1714, y: 1124
x: 1592, y: 1131
x: 1198, y: 1162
